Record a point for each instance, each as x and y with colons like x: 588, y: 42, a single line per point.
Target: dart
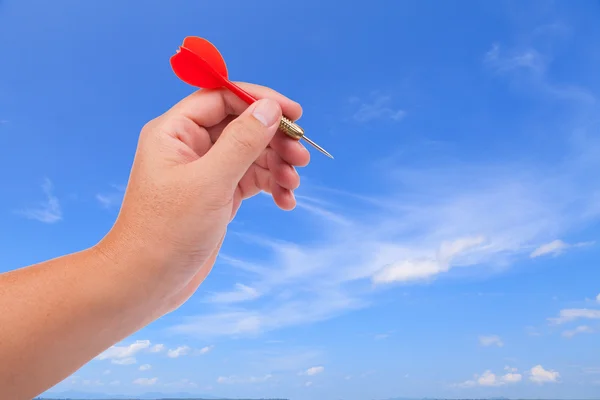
x: 197, y: 62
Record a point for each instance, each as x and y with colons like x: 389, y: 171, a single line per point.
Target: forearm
x: 58, y: 315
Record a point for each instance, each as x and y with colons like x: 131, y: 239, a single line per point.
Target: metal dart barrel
x: 294, y: 131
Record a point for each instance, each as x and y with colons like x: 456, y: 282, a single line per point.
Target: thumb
x: 242, y: 141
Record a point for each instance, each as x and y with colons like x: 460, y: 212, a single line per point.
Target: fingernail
x: 267, y: 111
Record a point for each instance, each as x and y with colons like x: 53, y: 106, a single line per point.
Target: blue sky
x: 450, y: 249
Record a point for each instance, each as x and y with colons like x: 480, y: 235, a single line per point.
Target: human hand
x: 186, y: 186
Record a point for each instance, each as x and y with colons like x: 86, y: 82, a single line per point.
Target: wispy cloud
x: 443, y: 227
x: 230, y: 380
x: 240, y: 294
x: 145, y: 367
x: 179, y: 352
x: 111, y: 198
x: 424, y: 268
x: 556, y: 247
x: 157, y: 348
x: 528, y: 67
x: 313, y: 371
x: 577, y: 330
x: 491, y: 340
x: 514, y: 59
x: 206, y: 349
x: 124, y: 355
x: 444, y: 220
x: 379, y: 107
x: 47, y: 211
x: 381, y: 336
x: 572, y: 314
x: 145, y: 381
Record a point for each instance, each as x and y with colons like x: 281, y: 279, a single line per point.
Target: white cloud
x: 145, y: 381
x: 539, y: 375
x: 379, y: 108
x: 572, y: 314
x: 229, y: 380
x: 206, y: 349
x: 381, y: 336
x: 145, y: 367
x: 179, y: 352
x: 313, y: 371
x: 556, y: 247
x: 426, y: 221
x: 48, y: 211
x: 491, y: 340
x: 157, y: 348
x: 527, y: 59
x: 124, y: 355
x: 112, y: 198
x: 418, y: 269
x: 598, y: 298
x: 308, y: 383
x: 528, y: 67
x: 241, y: 293
x: 512, y: 377
x: 577, y: 330
x: 124, y: 361
x: 488, y: 378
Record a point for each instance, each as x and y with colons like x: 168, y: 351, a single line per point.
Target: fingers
x: 209, y: 107
x: 291, y: 150
x: 284, y: 198
x: 261, y: 179
x: 242, y: 142
x: 283, y: 173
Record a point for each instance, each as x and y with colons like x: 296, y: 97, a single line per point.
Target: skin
x: 193, y: 167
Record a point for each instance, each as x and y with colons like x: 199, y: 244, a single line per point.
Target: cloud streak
x: 379, y: 108
x: 426, y: 224
x: 555, y: 248
x: 47, y: 211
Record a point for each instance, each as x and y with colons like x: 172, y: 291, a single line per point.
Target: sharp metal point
x: 316, y: 146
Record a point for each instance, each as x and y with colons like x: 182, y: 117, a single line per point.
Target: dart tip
x: 316, y: 146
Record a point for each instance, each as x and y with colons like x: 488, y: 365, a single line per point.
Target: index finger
x: 209, y: 107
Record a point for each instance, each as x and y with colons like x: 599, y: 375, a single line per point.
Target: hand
x: 193, y: 167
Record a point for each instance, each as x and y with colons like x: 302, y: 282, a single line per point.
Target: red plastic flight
x: 199, y: 63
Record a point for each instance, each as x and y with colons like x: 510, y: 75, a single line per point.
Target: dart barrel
x: 291, y: 129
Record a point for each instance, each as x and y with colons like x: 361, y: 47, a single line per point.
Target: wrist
x: 136, y: 272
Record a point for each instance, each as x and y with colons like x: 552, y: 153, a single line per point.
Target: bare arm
x: 57, y: 315
x: 193, y: 167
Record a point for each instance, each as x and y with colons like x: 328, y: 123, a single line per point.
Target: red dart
x: 199, y: 63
